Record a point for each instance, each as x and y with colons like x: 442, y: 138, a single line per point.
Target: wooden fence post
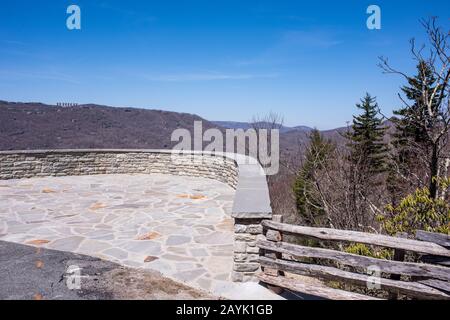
x: 274, y: 236
x: 399, y: 255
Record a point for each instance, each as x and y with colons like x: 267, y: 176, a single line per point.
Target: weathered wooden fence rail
x: 429, y: 278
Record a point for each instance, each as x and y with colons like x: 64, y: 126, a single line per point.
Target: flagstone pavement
x: 180, y: 226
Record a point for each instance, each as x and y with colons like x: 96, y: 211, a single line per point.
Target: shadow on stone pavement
x: 28, y: 273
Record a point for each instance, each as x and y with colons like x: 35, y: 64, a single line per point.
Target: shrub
x: 418, y: 211
x: 364, y: 250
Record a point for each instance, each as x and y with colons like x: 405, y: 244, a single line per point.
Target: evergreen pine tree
x: 414, y: 120
x: 368, y: 149
x: 409, y: 119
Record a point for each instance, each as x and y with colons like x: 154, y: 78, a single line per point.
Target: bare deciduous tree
x: 431, y: 114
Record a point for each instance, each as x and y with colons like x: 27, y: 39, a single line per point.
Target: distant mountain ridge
x: 25, y: 126
x: 248, y: 125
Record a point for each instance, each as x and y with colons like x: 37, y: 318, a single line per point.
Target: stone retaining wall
x: 16, y: 165
x: 251, y: 203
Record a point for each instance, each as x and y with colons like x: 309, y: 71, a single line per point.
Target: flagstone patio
x: 180, y: 226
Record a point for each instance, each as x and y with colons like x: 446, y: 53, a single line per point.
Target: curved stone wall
x: 251, y: 203
x: 27, y: 164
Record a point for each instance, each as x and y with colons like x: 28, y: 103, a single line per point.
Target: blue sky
x: 310, y: 61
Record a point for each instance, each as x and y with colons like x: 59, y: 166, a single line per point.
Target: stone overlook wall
x: 251, y: 203
x: 27, y: 164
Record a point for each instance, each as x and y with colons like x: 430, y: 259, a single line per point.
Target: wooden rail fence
x: 429, y: 278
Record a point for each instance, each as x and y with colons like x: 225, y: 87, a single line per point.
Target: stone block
x: 240, y: 228
x: 237, y: 276
x: 255, y: 229
x: 240, y: 247
x: 252, y: 249
x: 244, y: 237
x: 246, y: 267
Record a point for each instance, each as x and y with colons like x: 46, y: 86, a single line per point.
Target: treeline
x: 393, y: 174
